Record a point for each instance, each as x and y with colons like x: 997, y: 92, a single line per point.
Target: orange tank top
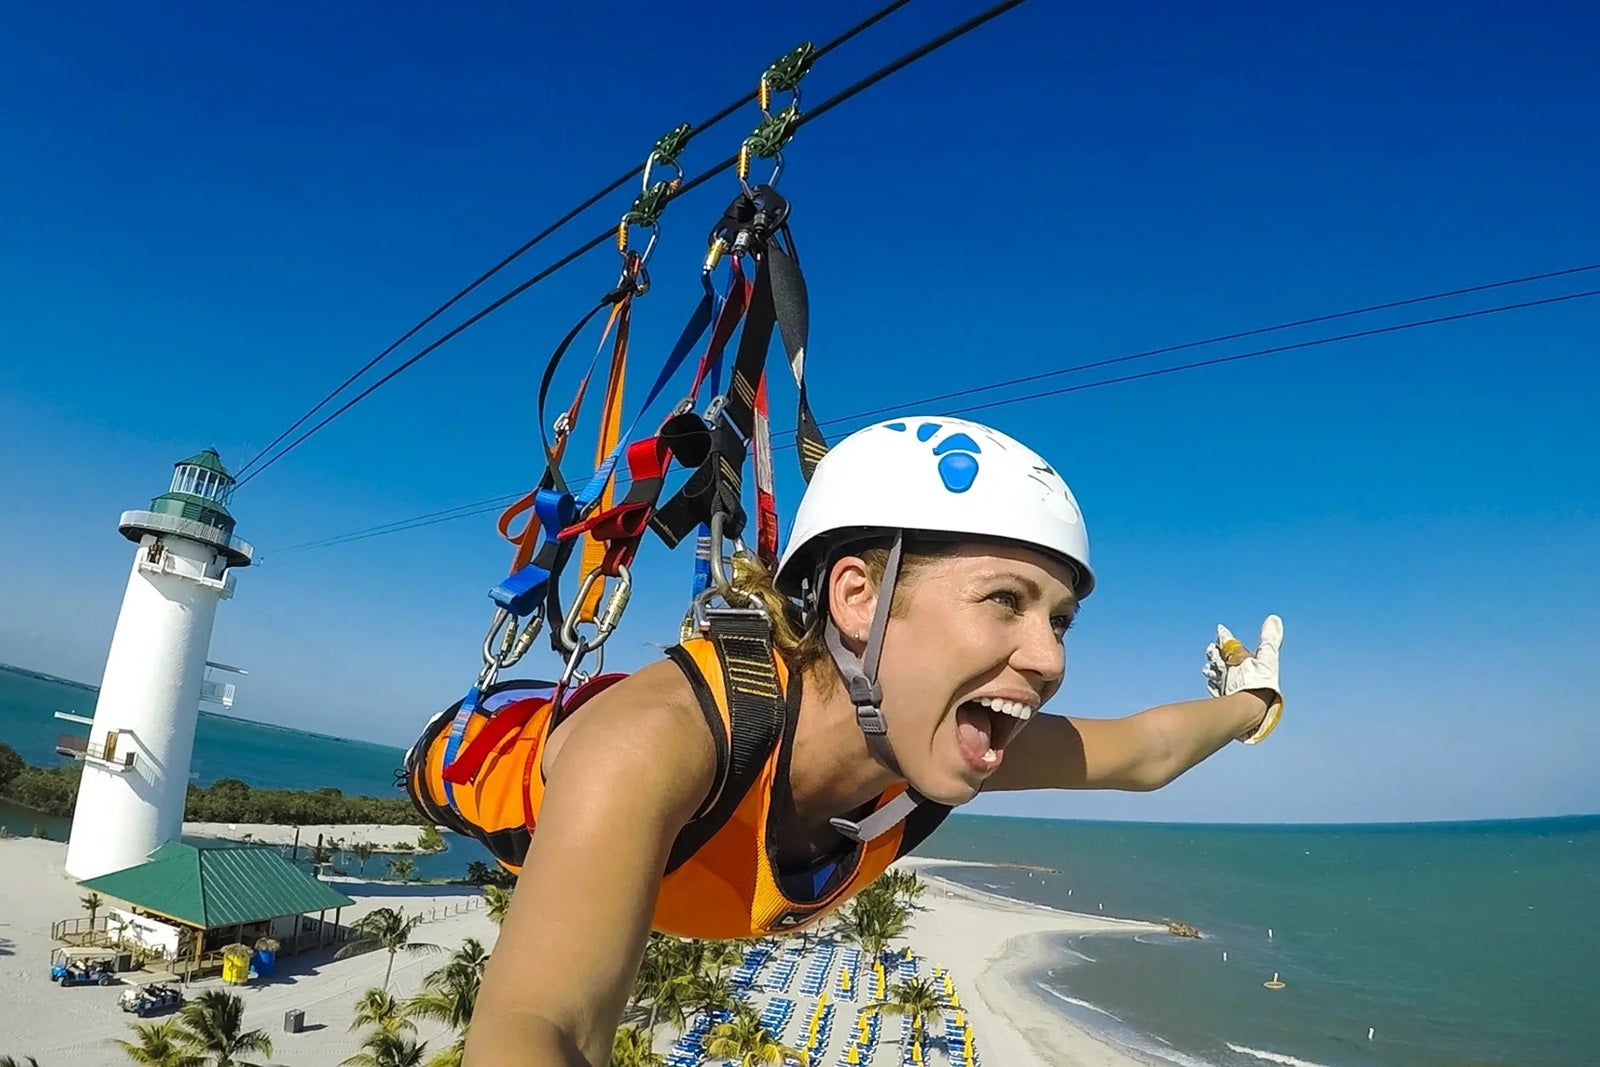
x: 476, y: 771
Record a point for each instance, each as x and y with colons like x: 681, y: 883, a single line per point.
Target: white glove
x: 1231, y: 668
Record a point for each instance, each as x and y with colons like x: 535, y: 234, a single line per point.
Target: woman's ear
x: 852, y: 597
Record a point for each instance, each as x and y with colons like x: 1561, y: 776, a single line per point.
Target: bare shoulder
x: 647, y: 723
x: 622, y: 777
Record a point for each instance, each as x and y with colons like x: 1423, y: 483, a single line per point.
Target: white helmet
x: 936, y: 475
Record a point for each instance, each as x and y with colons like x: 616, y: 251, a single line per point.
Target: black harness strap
x: 757, y: 710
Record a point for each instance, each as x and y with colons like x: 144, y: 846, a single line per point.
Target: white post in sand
x: 136, y: 762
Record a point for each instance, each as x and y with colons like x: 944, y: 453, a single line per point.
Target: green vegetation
x: 54, y: 791
x: 449, y: 994
x: 387, y: 929
x: 208, y: 1032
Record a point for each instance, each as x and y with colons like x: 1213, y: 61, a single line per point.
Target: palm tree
x: 379, y: 1009
x: 449, y: 995
x: 389, y: 930
x: 402, y: 869
x: 747, y: 1043
x: 499, y: 901
x: 631, y: 1047
x: 91, y: 904
x: 664, y: 978
x: 710, y: 993
x: 450, y: 992
x: 873, y: 919
x: 214, y: 1023
x: 160, y: 1044
x: 362, y: 851
x: 906, y: 885
x: 720, y: 955
x: 917, y: 998
x: 385, y: 1048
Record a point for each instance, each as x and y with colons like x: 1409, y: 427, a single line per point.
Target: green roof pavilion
x: 219, y: 888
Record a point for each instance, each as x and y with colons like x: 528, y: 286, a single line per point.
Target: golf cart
x: 152, y: 999
x: 72, y: 967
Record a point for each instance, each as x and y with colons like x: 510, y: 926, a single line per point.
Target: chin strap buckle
x: 881, y: 821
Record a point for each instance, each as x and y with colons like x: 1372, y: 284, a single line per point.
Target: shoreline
x: 1022, y: 1025
x: 996, y: 949
x: 383, y: 837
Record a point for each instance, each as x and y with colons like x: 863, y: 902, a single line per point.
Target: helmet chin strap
x: 861, y: 675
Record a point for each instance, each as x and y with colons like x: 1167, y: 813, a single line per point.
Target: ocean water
x: 1457, y: 944
x: 261, y: 755
x: 1460, y: 945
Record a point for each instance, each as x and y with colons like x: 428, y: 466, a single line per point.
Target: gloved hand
x: 1231, y: 668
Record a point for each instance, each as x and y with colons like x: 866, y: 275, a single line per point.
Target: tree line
x: 54, y: 791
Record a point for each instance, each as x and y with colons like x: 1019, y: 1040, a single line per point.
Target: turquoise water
x: 255, y: 753
x: 1459, y: 944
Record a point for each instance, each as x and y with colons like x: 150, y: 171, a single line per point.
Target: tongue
x: 973, y: 727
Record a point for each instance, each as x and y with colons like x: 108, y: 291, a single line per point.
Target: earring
x: 858, y: 635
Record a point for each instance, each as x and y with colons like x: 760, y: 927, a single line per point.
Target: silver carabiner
x: 610, y: 615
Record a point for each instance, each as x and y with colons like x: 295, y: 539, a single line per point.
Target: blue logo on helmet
x: 958, y: 455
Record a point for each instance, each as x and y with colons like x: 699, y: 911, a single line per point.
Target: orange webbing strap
x: 526, y: 539
x: 593, y: 553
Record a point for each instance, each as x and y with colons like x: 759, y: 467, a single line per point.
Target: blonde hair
x: 802, y: 644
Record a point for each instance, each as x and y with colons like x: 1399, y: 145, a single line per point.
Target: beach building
x: 186, y: 902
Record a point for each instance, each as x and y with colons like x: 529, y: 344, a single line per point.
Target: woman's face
x: 974, y: 652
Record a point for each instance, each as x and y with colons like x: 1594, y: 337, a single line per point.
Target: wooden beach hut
x: 208, y: 896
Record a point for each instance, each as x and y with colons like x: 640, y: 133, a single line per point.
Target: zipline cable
x: 594, y: 199
x: 610, y: 232
x: 481, y: 507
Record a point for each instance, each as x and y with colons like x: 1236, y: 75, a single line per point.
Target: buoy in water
x: 1224, y: 957
x: 1274, y: 984
x: 1269, y: 933
x: 1370, y: 1031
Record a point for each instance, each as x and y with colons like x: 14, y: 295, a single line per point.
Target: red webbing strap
x: 621, y: 527
x: 766, y: 500
x: 733, y: 310
x: 469, y: 761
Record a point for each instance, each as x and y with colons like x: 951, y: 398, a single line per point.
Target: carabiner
x: 610, y: 615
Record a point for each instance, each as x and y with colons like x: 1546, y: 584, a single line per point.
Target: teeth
x: 1007, y: 707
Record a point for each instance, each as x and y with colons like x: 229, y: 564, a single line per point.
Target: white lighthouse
x: 136, y: 763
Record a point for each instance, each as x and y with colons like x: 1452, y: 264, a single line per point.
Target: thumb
x: 1271, y: 639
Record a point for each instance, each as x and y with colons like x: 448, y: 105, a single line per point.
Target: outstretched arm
x: 1148, y: 750
x: 1139, y: 752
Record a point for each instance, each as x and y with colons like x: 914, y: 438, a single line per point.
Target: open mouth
x: 984, y: 727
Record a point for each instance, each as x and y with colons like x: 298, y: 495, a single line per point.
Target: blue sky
x: 215, y: 214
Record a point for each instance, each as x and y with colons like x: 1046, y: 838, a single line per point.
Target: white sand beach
x: 381, y: 837
x: 986, y: 944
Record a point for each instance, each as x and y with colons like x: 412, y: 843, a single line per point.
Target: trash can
x: 293, y: 1021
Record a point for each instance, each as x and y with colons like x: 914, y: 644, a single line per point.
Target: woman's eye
x: 1009, y: 599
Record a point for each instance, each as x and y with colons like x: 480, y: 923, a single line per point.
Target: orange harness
x: 721, y: 879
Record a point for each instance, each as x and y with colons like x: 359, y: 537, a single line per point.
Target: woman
x: 760, y: 776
